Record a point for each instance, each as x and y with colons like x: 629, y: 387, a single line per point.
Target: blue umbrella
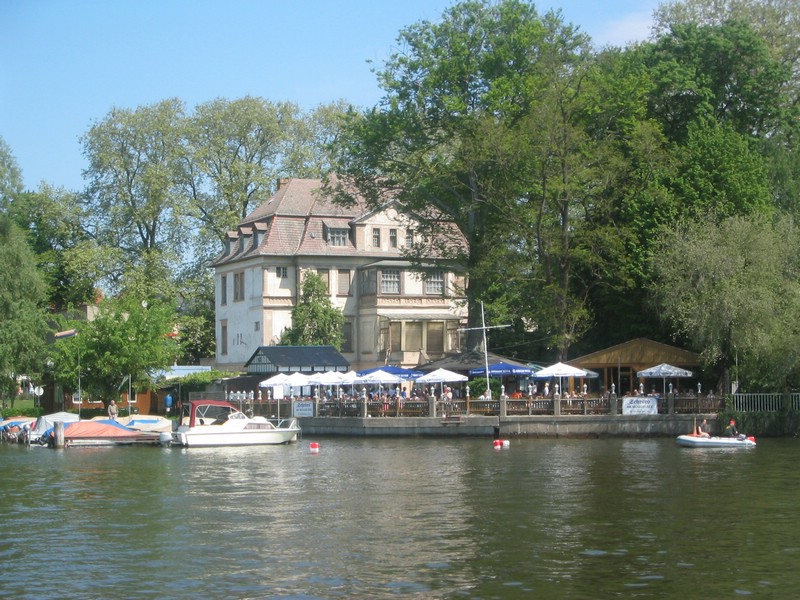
x: 500, y: 369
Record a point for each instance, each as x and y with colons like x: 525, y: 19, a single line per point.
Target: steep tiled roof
x: 291, y: 222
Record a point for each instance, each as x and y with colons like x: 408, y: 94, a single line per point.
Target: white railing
x: 764, y: 402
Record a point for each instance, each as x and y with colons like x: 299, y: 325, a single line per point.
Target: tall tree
x: 233, y: 160
x: 315, y: 321
x: 733, y: 291
x: 135, y: 202
x: 23, y: 292
x: 444, y: 140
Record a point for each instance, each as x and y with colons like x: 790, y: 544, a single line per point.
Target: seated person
x: 730, y: 429
x: 703, y: 430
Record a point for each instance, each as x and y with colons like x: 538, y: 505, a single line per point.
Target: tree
x: 128, y: 337
x: 733, y: 291
x: 722, y: 72
x: 135, y: 201
x: 315, y: 321
x: 233, y: 159
x: 448, y: 141
x: 23, y: 324
x: 65, y: 254
x: 775, y: 21
x: 10, y: 175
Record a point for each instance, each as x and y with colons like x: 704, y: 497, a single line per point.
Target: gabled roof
x: 305, y: 359
x: 638, y: 353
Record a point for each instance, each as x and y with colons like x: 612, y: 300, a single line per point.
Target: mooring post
x: 58, y: 434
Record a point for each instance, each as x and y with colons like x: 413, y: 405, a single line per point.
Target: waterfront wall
x: 574, y: 426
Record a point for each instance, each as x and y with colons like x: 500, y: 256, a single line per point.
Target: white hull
x: 237, y: 432
x: 696, y: 441
x: 199, y: 438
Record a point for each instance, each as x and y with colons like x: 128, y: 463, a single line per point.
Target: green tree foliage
x: 315, y: 321
x: 23, y: 324
x: 723, y: 72
x: 10, y: 175
x: 480, y: 126
x: 233, y: 159
x: 128, y: 336
x: 733, y: 291
x: 777, y: 23
x: 65, y: 254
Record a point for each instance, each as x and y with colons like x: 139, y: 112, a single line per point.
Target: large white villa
x: 393, y: 313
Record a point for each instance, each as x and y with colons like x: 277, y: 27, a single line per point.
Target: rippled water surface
x: 424, y: 518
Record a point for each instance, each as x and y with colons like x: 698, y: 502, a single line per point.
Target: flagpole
x: 483, y: 327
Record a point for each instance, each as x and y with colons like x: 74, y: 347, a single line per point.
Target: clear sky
x: 65, y: 64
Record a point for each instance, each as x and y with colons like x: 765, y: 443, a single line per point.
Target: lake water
x: 418, y: 518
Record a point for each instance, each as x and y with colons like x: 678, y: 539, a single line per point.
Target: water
x: 418, y: 518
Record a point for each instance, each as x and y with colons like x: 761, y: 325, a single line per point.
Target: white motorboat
x: 219, y: 423
x: 699, y: 441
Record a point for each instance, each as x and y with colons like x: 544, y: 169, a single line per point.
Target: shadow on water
x: 411, y: 517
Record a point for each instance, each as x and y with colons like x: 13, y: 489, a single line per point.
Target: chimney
x: 282, y: 181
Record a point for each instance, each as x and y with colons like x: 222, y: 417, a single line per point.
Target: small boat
x: 102, y: 433
x: 700, y: 441
x: 219, y: 423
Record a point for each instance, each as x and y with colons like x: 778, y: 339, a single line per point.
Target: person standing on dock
x: 112, y: 410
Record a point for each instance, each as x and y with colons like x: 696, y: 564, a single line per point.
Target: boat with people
x: 694, y: 440
x: 220, y: 423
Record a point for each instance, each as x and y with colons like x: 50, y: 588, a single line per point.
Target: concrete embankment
x: 574, y: 426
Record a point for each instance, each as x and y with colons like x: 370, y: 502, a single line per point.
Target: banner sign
x: 303, y: 408
x: 639, y: 405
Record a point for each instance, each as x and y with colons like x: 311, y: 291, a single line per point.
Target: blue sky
x: 66, y: 63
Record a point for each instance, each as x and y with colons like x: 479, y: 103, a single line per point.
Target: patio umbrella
x: 664, y: 371
x: 274, y: 381
x: 500, y: 369
x: 379, y: 377
x: 326, y: 378
x: 401, y: 372
x: 441, y: 376
x: 560, y: 370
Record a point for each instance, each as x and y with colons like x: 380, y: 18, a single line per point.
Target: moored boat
x: 701, y: 441
x: 103, y: 433
x: 219, y: 423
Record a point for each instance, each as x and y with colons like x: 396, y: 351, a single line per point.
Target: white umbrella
x: 349, y: 378
x: 275, y: 380
x: 378, y: 377
x: 441, y: 376
x: 560, y: 370
x: 664, y: 371
x: 326, y: 378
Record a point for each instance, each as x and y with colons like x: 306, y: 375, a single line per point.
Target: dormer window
x: 338, y: 237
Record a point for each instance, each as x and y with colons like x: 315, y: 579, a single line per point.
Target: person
x: 730, y: 429
x: 112, y: 410
x: 703, y: 429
